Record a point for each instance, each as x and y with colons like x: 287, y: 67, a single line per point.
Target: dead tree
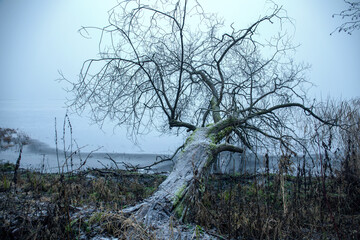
x: 173, y: 66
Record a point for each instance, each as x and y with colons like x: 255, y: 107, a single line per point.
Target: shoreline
x: 38, y: 155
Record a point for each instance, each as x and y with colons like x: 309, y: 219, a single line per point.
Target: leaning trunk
x: 168, y: 200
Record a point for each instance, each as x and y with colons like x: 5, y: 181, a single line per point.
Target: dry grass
x: 268, y: 206
x: 237, y: 207
x: 83, y: 205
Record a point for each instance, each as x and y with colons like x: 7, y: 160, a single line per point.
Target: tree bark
x: 156, y: 211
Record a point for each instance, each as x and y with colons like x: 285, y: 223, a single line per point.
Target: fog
x: 40, y: 38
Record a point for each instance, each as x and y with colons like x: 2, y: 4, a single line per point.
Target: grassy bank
x: 264, y: 206
x: 279, y: 207
x: 70, y: 206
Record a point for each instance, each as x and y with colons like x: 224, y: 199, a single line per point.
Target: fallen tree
x: 174, y: 67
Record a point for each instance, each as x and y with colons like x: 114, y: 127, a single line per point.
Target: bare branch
x: 173, y: 65
x: 352, y: 16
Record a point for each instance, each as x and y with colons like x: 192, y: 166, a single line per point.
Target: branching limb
x: 227, y: 147
x: 176, y: 123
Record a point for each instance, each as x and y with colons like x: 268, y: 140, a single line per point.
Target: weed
x: 54, y: 206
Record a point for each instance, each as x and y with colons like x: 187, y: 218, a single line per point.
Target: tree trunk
x: 155, y: 212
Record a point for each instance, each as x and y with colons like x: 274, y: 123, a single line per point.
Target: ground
x: 88, y: 205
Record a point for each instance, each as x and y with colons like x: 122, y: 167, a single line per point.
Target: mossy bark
x: 169, y: 199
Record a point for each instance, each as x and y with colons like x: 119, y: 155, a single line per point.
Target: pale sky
x: 39, y: 37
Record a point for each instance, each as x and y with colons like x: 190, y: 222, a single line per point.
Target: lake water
x: 40, y: 157
x: 37, y: 120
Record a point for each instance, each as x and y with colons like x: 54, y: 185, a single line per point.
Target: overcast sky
x: 40, y: 37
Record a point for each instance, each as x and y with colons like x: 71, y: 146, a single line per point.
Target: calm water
x: 37, y: 119
x: 41, y: 157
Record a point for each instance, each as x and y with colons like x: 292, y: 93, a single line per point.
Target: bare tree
x: 351, y: 15
x: 170, y: 65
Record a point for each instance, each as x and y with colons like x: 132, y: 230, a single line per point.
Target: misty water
x: 37, y: 120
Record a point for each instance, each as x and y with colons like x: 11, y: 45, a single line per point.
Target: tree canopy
x: 169, y: 64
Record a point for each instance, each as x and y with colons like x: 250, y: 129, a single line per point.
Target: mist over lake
x: 37, y: 120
